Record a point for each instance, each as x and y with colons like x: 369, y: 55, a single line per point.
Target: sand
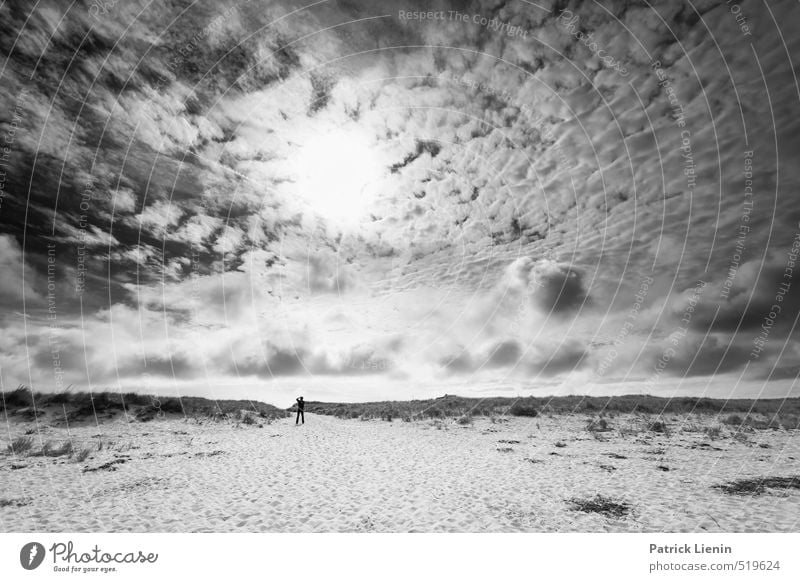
x: 516, y: 474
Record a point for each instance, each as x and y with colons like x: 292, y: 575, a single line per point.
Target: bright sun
x: 337, y: 172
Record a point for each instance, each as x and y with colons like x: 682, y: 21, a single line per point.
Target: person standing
x: 301, y: 406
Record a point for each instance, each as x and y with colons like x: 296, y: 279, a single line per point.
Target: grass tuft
x: 21, y: 445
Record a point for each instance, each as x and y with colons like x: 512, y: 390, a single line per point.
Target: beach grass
x: 78, y: 405
x: 762, y: 413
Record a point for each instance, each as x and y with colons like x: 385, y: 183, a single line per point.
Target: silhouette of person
x: 301, y: 406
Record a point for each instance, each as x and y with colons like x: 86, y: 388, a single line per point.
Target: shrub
x: 21, y: 397
x: 521, y: 408
x: 713, y: 432
x: 598, y: 425
x: 733, y: 419
x: 172, y: 405
x: 146, y: 414
x: 59, y: 398
x: 790, y: 422
x: 464, y: 420
x: 658, y: 426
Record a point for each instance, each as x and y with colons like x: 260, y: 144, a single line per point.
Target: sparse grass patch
x: 602, y: 505
x: 759, y: 485
x: 629, y: 431
x: 14, y: 502
x: 464, y: 420
x: 713, y: 432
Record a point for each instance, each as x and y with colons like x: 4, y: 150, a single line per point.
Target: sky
x: 358, y: 200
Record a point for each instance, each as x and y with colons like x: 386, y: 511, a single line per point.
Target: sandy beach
x: 508, y: 474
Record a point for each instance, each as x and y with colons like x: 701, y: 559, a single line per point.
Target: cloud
x: 748, y: 294
x: 19, y: 281
x: 543, y: 359
x: 518, y: 185
x: 559, y: 287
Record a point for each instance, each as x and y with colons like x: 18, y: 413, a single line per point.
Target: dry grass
x: 87, y: 405
x: 659, y: 426
x: 82, y: 455
x: 53, y: 449
x: 756, y: 414
x: 602, y: 505
x: 785, y: 412
x: 759, y: 485
x: 21, y: 445
x: 14, y: 502
x: 599, y: 425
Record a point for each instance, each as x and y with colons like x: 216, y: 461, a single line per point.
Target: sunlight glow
x: 337, y: 174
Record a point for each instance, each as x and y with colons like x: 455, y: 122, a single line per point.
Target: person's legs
x: 298, y: 417
x: 303, y: 414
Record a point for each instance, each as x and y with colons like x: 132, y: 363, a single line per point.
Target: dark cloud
x: 505, y: 353
x: 567, y: 357
x: 559, y: 288
x: 745, y: 298
x: 687, y: 354
x: 541, y: 359
x: 180, y: 366
x: 299, y: 360
x: 459, y: 363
